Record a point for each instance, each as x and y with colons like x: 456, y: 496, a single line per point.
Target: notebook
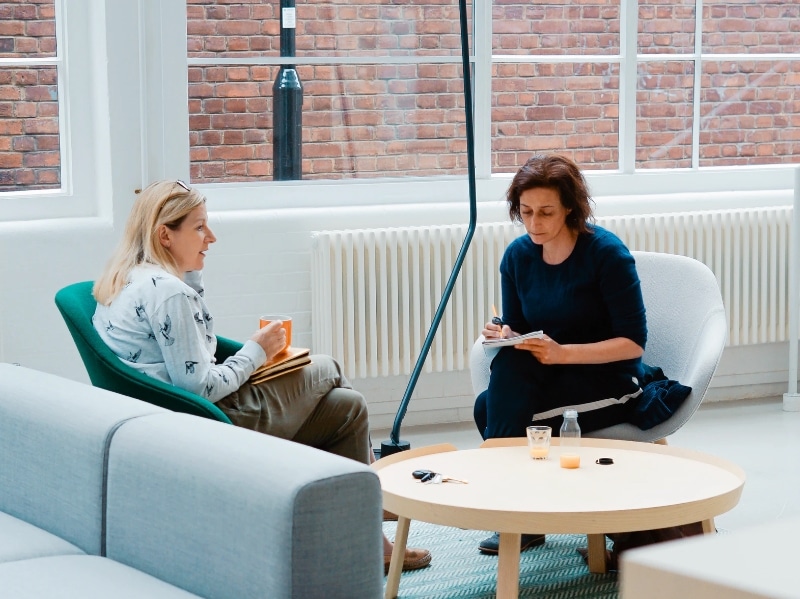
x: 289, y: 360
x: 512, y: 340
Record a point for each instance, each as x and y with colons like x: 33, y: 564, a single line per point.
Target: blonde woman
x: 151, y: 313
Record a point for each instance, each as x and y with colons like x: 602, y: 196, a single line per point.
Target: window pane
x: 664, y: 115
x: 29, y: 143
x: 666, y: 26
x: 359, y: 121
x: 561, y: 27
x: 354, y: 28
x: 572, y: 109
x: 27, y: 29
x: 750, y: 113
x: 751, y: 26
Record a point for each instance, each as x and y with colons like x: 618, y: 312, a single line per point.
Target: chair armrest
x: 226, y: 348
x: 184, y: 505
x: 480, y: 361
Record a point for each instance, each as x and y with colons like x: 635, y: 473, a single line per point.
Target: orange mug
x: 286, y: 324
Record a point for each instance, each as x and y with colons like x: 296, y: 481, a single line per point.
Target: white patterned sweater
x: 162, y: 327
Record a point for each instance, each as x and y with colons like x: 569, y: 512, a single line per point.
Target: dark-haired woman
x: 577, y: 282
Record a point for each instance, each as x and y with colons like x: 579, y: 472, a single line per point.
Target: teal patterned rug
x: 458, y: 570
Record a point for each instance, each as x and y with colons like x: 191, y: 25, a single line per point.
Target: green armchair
x: 107, y: 371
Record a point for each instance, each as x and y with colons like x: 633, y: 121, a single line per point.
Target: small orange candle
x: 539, y: 452
x: 570, y: 460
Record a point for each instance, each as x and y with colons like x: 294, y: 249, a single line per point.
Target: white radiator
x: 375, y: 291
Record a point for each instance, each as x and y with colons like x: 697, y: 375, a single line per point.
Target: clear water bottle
x: 570, y: 431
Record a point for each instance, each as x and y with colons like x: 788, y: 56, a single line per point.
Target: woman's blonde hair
x: 165, y: 203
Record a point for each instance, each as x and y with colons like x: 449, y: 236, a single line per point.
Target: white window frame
x: 80, y: 30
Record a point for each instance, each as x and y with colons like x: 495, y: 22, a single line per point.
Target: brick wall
x: 29, y: 142
x: 566, y: 108
x: 750, y: 113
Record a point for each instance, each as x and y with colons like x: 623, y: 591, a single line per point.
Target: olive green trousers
x: 315, y: 406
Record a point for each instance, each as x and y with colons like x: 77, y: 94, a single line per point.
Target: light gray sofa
x: 102, y: 495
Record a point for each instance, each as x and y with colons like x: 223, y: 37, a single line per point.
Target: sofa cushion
x: 20, y: 540
x: 53, y: 438
x: 82, y: 577
x: 192, y: 501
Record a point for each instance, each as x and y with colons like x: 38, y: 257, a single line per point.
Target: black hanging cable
x: 394, y: 444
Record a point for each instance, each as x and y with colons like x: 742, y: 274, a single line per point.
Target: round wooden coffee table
x: 648, y: 486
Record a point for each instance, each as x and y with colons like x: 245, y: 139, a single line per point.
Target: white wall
x: 261, y: 263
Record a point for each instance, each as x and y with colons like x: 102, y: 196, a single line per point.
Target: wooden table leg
x: 709, y: 526
x: 597, y: 553
x: 508, y: 565
x: 398, y: 553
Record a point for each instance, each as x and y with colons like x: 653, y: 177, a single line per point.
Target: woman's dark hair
x: 561, y: 174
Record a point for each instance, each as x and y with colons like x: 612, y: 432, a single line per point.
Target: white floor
x: 755, y: 434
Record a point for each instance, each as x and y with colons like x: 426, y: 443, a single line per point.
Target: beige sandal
x: 414, y: 559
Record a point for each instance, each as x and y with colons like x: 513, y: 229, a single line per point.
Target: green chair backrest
x: 107, y: 371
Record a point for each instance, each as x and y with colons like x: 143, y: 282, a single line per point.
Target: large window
x: 624, y: 87
x: 712, y: 90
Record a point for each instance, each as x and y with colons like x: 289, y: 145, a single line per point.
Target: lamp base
x: 389, y: 447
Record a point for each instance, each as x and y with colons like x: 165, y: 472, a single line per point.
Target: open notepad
x: 512, y: 340
x: 289, y: 360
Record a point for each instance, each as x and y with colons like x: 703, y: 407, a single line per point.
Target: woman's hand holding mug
x: 272, y: 338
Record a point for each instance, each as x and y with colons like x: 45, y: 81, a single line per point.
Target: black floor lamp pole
x: 287, y: 99
x: 394, y: 444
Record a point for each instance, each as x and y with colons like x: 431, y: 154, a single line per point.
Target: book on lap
x: 283, y: 369
x: 287, y: 361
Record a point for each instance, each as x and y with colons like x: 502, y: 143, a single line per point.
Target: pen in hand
x: 496, y: 319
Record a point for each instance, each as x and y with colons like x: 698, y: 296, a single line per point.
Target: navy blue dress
x: 594, y: 295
